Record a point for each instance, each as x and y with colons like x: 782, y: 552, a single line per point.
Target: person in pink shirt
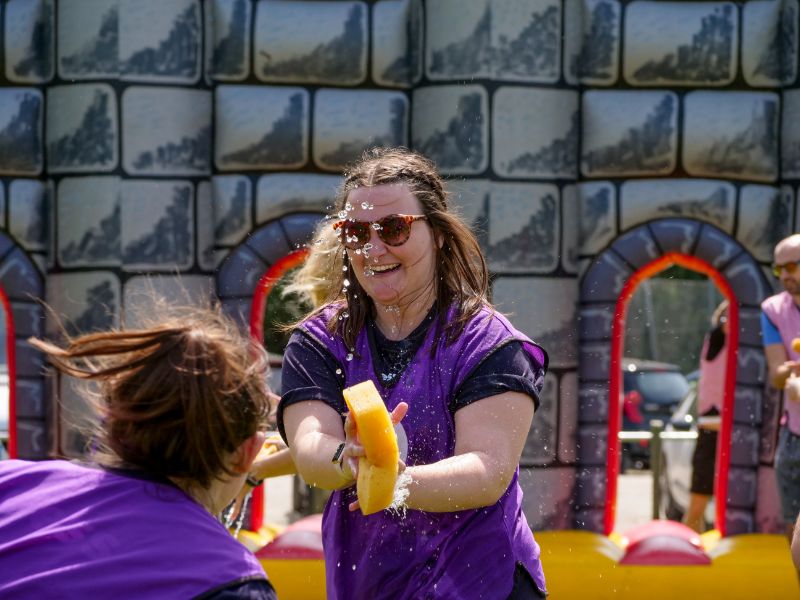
x: 780, y: 325
x: 710, y: 393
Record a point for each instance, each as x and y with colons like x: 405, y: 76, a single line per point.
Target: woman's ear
x: 247, y: 452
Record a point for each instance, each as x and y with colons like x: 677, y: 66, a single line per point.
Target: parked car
x: 676, y: 474
x: 652, y: 390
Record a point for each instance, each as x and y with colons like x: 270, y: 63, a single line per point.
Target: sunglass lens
x: 394, y: 230
x: 355, y: 234
x: 776, y: 270
x: 790, y: 267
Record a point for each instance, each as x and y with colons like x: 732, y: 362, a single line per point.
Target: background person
x: 414, y: 319
x: 780, y: 324
x: 181, y: 408
x: 710, y: 398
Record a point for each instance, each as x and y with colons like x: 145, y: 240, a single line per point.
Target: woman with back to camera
x: 181, y: 409
x: 458, y: 378
x: 710, y: 397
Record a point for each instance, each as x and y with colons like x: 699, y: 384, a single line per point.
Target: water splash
x: 401, y: 492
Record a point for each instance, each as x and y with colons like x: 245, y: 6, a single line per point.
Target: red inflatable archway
x: 12, y: 375
x: 615, y: 380
x: 257, y: 315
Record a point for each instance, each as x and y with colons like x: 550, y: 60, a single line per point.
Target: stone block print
x: 535, y: 133
x: 82, y: 128
x: 2, y: 207
x: 597, y: 205
x: 311, y: 42
x: 232, y: 201
x: 281, y: 194
x: 702, y: 199
x: 76, y: 410
x: 548, y: 497
x: 567, y: 417
x: 449, y: 125
x: 84, y: 302
x: 260, y: 127
x: 229, y: 45
x: 143, y: 295
x: 88, y: 39
x: 160, y: 41
x: 769, y: 42
x: 206, y: 258
x: 397, y: 59
x: 458, y: 39
x: 629, y: 133
x: 591, y: 42
x: 541, y: 445
x: 347, y: 122
x: 765, y: 218
x: 89, y: 221
x: 790, y: 134
x: 157, y: 225
x: 510, y: 40
x: 544, y: 309
x: 20, y: 131
x: 731, y: 134
x: 526, y: 40
x: 29, y: 40
x: 470, y: 199
x: 523, y: 228
x: 177, y: 140
x: 570, y: 222
x: 680, y: 43
x: 28, y: 214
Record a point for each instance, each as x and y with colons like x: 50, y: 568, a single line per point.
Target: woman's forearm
x: 312, y: 454
x: 470, y: 480
x: 274, y: 465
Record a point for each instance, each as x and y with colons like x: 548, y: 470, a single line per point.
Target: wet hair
x: 312, y: 281
x: 461, y: 277
x: 176, y: 399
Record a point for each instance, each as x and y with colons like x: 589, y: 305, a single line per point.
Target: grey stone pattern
x: 29, y: 40
x: 88, y: 39
x: 707, y: 57
x: 593, y: 38
x: 21, y: 146
x: 601, y: 285
x: 397, y: 60
x: 230, y: 59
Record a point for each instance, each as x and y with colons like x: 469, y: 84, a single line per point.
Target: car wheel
x: 669, y: 507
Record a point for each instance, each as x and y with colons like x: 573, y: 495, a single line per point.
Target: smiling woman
x: 408, y: 311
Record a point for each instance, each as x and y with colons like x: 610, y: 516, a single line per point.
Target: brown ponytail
x: 175, y: 400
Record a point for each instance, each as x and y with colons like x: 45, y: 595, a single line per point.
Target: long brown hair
x: 175, y: 399
x: 461, y: 277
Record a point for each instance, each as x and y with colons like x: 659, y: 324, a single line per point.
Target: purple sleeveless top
x: 465, y: 554
x: 78, y: 532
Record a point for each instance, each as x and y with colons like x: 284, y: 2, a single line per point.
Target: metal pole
x: 656, y: 429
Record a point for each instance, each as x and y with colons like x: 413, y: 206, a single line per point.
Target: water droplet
x: 346, y: 283
x: 349, y: 357
x: 354, y: 567
x: 342, y: 214
x: 338, y: 371
x: 377, y: 226
x: 365, y: 205
x: 344, y: 268
x: 348, y: 207
x: 367, y: 247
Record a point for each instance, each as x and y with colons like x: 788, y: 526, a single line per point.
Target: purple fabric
x: 83, y: 532
x: 466, y: 554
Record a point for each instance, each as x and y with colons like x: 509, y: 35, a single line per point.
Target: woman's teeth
x: 383, y: 268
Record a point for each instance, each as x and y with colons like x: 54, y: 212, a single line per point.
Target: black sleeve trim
x: 319, y: 366
x: 507, y: 368
x: 231, y: 585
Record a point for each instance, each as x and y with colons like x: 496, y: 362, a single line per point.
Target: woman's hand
x: 354, y: 450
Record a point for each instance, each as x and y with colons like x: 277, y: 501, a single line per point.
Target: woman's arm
x: 314, y: 432
x: 490, y: 436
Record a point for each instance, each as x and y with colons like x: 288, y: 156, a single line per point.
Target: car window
x: 663, y: 387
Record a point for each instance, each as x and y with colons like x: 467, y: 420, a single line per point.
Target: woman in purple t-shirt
x: 407, y: 308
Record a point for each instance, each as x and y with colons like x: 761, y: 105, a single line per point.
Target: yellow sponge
x: 377, y: 473
x: 796, y: 345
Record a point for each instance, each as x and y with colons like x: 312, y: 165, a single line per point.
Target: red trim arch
x: 11, y: 365
x: 257, y: 315
x: 615, y: 379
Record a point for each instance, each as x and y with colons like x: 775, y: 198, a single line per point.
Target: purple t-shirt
x: 463, y: 554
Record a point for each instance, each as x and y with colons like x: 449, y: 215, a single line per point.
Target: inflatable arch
x: 21, y: 288
x: 605, y: 288
x: 246, y: 277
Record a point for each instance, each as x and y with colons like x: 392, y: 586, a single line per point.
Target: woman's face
x: 392, y: 275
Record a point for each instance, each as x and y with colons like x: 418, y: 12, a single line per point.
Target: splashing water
x: 377, y: 226
x: 349, y: 357
x: 342, y: 214
x: 398, y: 505
x: 227, y: 515
x: 348, y: 207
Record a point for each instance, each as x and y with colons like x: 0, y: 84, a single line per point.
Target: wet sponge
x: 377, y: 473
